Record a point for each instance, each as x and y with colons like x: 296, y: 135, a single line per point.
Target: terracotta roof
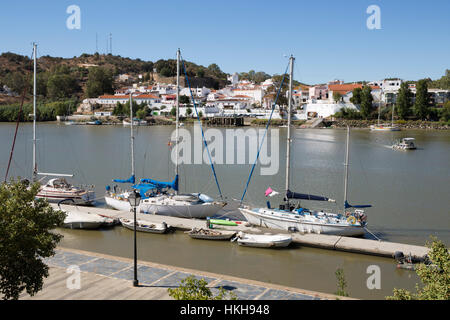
x: 344, y: 88
x: 110, y: 96
x: 241, y: 96
x: 146, y: 96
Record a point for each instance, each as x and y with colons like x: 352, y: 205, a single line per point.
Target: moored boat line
x: 323, y: 241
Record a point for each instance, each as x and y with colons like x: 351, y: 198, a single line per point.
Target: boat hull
x: 272, y: 244
x: 130, y: 225
x: 202, y: 210
x: 83, y: 225
x: 87, y: 198
x: 223, y: 235
x: 286, y: 223
x: 121, y: 205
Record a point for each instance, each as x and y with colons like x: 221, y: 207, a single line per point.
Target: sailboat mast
x: 132, y: 136
x: 346, y: 166
x: 288, y: 142
x: 177, y: 113
x: 34, y: 114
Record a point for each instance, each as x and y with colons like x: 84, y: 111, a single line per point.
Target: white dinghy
x: 263, y: 240
x: 145, y: 226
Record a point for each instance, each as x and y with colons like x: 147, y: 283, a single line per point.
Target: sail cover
x: 143, y: 188
x: 295, y: 195
x: 129, y: 180
x: 161, y: 184
x: 347, y: 205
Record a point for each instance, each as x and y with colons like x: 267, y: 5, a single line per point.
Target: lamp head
x: 134, y: 199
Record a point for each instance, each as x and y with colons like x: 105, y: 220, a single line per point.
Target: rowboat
x: 144, y: 226
x: 207, y: 234
x: 263, y: 240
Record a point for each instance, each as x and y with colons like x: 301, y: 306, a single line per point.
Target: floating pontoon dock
x: 340, y: 243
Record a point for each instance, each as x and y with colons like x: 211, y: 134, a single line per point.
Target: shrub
x: 193, y: 289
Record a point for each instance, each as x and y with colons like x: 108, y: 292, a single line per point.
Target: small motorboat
x: 263, y: 240
x: 405, y: 144
x: 83, y: 220
x: 145, y: 226
x: 208, y: 234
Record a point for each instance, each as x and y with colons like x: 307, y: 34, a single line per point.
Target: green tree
x: 184, y: 99
x: 25, y: 238
x: 421, y: 104
x: 403, y: 104
x: 200, y: 72
x: 356, y: 96
x: 192, y: 288
x: 61, y: 85
x: 366, y: 101
x: 189, y: 111
x: 337, y: 97
x: 445, y: 115
x: 141, y: 114
x: 100, y: 81
x: 435, y: 277
x: 214, y: 68
x: 173, y: 111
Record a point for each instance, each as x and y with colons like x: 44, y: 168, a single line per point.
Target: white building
x: 234, y: 78
x: 325, y: 110
x: 256, y: 94
x: 197, y: 92
x: 387, y: 85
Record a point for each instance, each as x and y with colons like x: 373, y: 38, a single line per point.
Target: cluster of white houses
x: 249, y: 99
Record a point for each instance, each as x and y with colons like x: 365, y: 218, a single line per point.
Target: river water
x: 409, y: 192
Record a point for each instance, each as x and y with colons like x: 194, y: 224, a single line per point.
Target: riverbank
x: 411, y: 124
x: 106, y: 277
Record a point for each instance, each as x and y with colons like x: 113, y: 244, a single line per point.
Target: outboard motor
x: 399, y: 256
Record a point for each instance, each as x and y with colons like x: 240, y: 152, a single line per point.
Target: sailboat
x: 297, y: 218
x: 56, y: 189
x: 157, y: 197
x: 384, y: 127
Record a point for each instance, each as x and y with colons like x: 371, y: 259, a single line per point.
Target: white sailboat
x: 384, y: 127
x: 296, y: 218
x: 56, y: 189
x: 191, y: 205
x: 117, y: 198
x: 156, y: 195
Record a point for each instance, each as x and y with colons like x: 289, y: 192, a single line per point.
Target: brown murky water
x: 408, y: 191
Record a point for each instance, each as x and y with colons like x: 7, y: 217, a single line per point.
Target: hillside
x: 60, y: 78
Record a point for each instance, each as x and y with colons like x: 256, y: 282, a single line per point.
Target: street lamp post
x: 134, y: 199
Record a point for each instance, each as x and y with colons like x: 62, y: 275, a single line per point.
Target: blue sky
x: 329, y: 39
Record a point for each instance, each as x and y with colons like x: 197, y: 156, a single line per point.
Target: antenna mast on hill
x: 110, y: 42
